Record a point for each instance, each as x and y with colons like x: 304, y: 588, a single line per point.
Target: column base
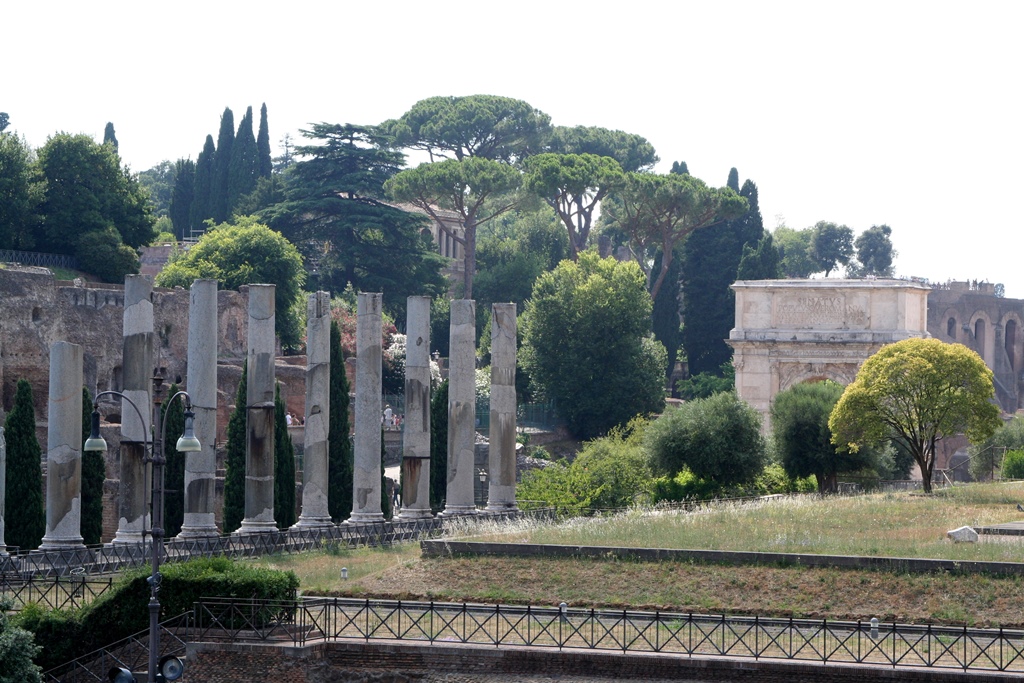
x: 256, y: 527
x: 500, y: 508
x: 197, y: 532
x: 313, y: 523
x: 459, y: 511
x: 129, y: 538
x: 410, y: 514
x: 58, y: 544
x: 358, y: 518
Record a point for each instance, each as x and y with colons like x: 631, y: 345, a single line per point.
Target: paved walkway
x: 1006, y: 529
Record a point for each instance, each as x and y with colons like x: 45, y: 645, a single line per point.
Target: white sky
x: 905, y: 113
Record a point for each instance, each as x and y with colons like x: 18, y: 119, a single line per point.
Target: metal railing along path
x: 684, y: 634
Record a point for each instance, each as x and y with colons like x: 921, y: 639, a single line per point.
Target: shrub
x: 1013, y: 465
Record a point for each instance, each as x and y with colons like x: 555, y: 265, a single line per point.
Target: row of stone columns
x: 63, y: 491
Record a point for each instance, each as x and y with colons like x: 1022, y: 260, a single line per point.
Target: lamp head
x: 95, y: 442
x: 188, y: 443
x: 171, y: 668
x: 120, y: 675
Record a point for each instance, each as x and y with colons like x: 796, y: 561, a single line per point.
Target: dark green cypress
x: 234, y: 472
x: 284, y: 466
x: 108, y: 135
x: 182, y: 195
x: 174, y: 466
x: 385, y: 499
x: 761, y: 263
x: 24, y: 514
x: 266, y: 164
x: 439, y: 447
x: 244, y: 162
x: 219, y: 195
x: 339, y: 446
x: 665, y: 312
x: 94, y: 473
x: 202, y: 197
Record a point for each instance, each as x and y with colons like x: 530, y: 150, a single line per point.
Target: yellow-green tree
x: 917, y: 392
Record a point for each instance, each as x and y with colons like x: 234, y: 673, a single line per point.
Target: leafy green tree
x: 284, y: 466
x: 247, y: 252
x: 1013, y: 465
x: 108, y: 136
x: 182, y: 196
x: 87, y: 192
x: 285, y: 161
x: 488, y: 126
x: 439, y: 446
x: 24, y: 514
x: 794, y: 247
x: 339, y: 447
x: 174, y: 467
x: 679, y: 168
x: 586, y: 343
x: 573, y: 185
x: 265, y: 165
x: 718, y: 439
x: 874, y: 251
x: 220, y: 193
x: 204, y: 189
x: 334, y: 209
x: 987, y: 456
x: 830, y: 246
x: 244, y: 163
x: 665, y: 314
x: 102, y: 253
x: 659, y: 211
x: 633, y: 152
x: 5, y: 120
x: 94, y: 473
x: 464, y: 186
x: 158, y: 181
x: 234, y: 466
x: 760, y: 262
x: 20, y: 194
x: 803, y: 439
x: 707, y: 384
x: 916, y: 392
x: 17, y: 649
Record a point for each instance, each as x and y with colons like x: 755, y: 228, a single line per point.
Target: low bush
x: 1013, y: 465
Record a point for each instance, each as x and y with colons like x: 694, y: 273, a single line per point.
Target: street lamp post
x: 169, y: 668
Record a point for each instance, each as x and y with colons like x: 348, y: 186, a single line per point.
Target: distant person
x: 388, y: 416
x: 288, y: 419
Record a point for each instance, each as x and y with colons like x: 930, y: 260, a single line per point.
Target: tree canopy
x: 874, y: 251
x: 24, y: 514
x: 916, y: 392
x: 598, y: 380
x: 830, y: 246
x: 21, y: 193
x: 633, y: 152
x: 488, y: 126
x: 794, y: 247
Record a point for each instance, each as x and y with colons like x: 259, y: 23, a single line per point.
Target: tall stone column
x: 501, y: 460
x: 64, y: 449
x: 315, y: 513
x: 3, y: 490
x: 461, y: 409
x: 366, y: 473
x: 259, y: 443
x: 416, y: 425
x: 201, y: 467
x: 137, y: 369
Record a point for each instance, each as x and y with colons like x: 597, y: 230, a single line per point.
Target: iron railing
x: 683, y: 634
x: 32, y: 258
x: 54, y: 592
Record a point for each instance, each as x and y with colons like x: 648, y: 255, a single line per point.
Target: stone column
x: 501, y: 460
x: 201, y: 467
x: 315, y: 513
x: 416, y: 426
x: 259, y: 443
x: 366, y: 473
x: 137, y: 369
x: 461, y: 409
x: 64, y: 449
x: 3, y: 490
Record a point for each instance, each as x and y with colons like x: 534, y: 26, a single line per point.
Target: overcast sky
x: 862, y: 113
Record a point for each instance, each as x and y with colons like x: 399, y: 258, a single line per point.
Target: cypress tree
x: 266, y: 164
x: 174, y: 466
x: 182, y: 196
x: 439, y: 447
x: 665, y: 311
x: 385, y: 499
x: 243, y: 164
x: 24, y: 514
x: 234, y: 473
x: 94, y: 473
x: 219, y: 194
x: 761, y: 263
x: 108, y: 135
x: 339, y: 447
x: 202, y: 193
x: 284, y: 466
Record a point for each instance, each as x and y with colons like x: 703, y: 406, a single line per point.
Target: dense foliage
x: 439, y: 446
x: 234, y: 465
x: 987, y: 456
x: 94, y: 472
x: 24, y: 514
x: 339, y: 445
x: 17, y: 648
x: 284, y: 466
x: 174, y: 467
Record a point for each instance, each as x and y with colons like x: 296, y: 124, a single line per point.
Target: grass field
x: 901, y: 524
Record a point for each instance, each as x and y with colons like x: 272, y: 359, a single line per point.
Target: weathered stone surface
x: 501, y: 494
x: 259, y: 447
x: 416, y: 428
x: 964, y: 534
x: 64, y: 451
x: 366, y: 479
x: 3, y: 489
x: 315, y: 511
x: 461, y: 409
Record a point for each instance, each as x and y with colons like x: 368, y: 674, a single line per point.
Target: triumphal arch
x: 792, y: 331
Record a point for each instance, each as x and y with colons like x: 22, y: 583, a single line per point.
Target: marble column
x: 201, y: 383
x: 137, y: 368
x: 64, y: 449
x: 315, y: 512
x: 461, y: 409
x: 416, y: 425
x: 259, y: 443
x: 501, y: 460
x: 366, y: 474
x: 3, y: 490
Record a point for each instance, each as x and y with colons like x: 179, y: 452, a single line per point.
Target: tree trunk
x: 469, y: 259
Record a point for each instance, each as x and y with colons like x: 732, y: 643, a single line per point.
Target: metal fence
x: 32, y: 258
x: 54, y: 592
x: 685, y: 634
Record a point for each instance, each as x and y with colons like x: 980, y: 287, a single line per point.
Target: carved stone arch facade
x: 1012, y: 323
x: 983, y: 333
